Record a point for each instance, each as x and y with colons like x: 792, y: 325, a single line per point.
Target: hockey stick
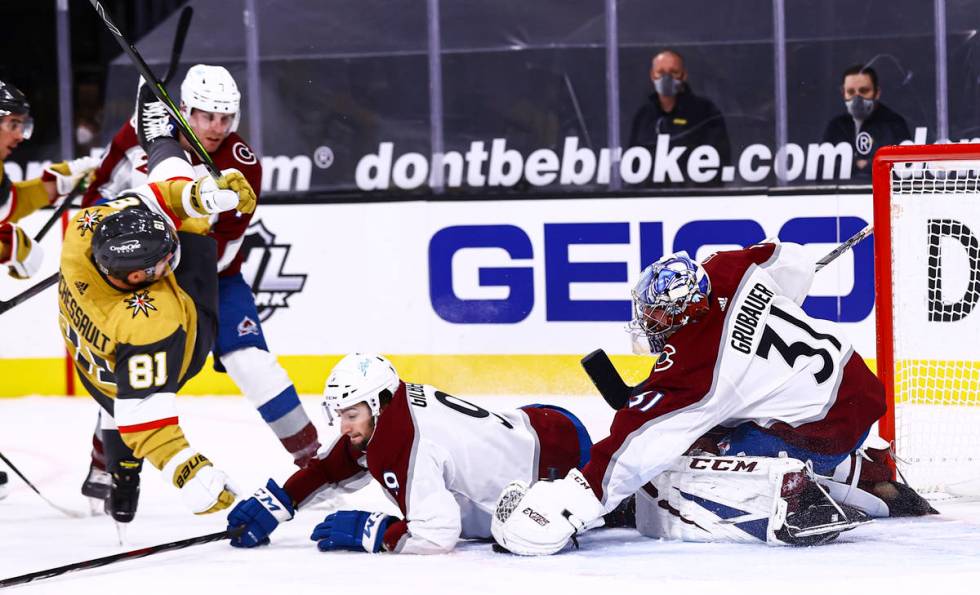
x: 158, y: 89
x: 183, y: 24
x: 42, y: 285
x: 130, y: 555
x: 67, y: 511
x: 609, y: 382
x: 847, y: 245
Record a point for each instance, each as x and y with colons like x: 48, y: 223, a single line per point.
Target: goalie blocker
x: 700, y: 498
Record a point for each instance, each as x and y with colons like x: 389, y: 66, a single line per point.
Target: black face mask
x: 859, y: 107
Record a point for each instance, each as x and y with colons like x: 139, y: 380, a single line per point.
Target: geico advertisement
x: 504, y: 277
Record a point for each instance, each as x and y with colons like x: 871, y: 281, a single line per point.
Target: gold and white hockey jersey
x: 20, y: 199
x: 134, y: 350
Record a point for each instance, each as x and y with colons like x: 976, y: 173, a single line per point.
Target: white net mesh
x: 935, y: 217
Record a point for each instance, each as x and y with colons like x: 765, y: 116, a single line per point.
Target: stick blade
x: 606, y: 379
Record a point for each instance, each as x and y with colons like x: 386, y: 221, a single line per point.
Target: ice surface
x: 49, y: 440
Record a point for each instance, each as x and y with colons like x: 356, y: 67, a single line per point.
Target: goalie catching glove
x: 207, y: 196
x: 204, y: 488
x: 67, y: 174
x: 541, y: 520
x: 19, y: 252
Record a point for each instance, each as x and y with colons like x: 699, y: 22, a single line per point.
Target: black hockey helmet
x: 12, y: 101
x: 132, y: 239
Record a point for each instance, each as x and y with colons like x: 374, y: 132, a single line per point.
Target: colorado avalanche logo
x: 243, y: 154
x: 87, y: 221
x: 247, y: 327
x: 140, y: 303
x: 263, y: 260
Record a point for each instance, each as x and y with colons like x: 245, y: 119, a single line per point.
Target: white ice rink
x: 49, y: 440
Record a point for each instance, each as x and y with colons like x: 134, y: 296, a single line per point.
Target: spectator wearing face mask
x: 867, y: 123
x: 689, y: 120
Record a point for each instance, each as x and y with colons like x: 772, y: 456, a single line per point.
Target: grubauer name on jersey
x: 444, y: 462
x: 124, y: 166
x: 756, y: 357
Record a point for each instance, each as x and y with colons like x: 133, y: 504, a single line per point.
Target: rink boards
x: 477, y: 296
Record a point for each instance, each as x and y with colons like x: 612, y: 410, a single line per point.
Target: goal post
x: 927, y: 304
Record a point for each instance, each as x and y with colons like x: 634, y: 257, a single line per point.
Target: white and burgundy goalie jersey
x: 757, y: 358
x: 444, y: 462
x: 124, y: 166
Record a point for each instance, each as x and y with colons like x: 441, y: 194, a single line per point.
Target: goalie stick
x: 158, y: 89
x: 607, y: 379
x: 130, y: 555
x: 66, y: 511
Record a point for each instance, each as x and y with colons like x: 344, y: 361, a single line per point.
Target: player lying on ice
x: 138, y: 326
x: 740, y: 365
x: 442, y: 460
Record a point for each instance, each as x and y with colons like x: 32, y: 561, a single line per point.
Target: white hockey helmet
x: 359, y: 378
x: 212, y: 89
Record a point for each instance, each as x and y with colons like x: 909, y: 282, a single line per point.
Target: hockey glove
x: 204, y: 488
x: 19, y: 252
x: 260, y: 515
x: 206, y: 196
x: 67, y: 174
x: 354, y: 530
x: 541, y: 520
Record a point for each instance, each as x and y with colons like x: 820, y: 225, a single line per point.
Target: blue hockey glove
x: 354, y: 530
x: 260, y: 514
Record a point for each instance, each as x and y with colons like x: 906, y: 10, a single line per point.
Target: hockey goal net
x: 927, y: 281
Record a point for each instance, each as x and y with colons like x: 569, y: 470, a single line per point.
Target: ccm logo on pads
x: 723, y: 465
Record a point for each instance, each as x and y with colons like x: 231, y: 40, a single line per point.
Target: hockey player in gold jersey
x: 138, y: 325
x: 20, y: 199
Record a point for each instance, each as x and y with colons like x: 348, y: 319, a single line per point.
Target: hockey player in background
x: 19, y: 199
x: 741, y: 370
x: 441, y: 459
x: 139, y: 326
x: 210, y: 101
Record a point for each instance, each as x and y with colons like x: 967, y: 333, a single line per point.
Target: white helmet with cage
x: 359, y: 378
x: 211, y: 89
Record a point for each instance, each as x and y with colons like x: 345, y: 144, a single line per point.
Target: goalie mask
x: 211, y: 89
x: 359, y: 378
x: 671, y: 293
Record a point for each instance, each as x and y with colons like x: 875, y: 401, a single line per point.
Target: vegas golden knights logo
x: 263, y: 260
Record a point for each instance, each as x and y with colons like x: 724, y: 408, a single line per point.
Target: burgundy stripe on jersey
x: 391, y: 452
x: 860, y: 401
x: 340, y: 463
x: 684, y: 373
x: 557, y: 441
x: 396, y: 531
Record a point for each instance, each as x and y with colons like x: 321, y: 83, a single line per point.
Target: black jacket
x: 883, y: 127
x: 695, y: 121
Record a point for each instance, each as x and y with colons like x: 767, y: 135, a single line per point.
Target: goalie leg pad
x: 735, y: 499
